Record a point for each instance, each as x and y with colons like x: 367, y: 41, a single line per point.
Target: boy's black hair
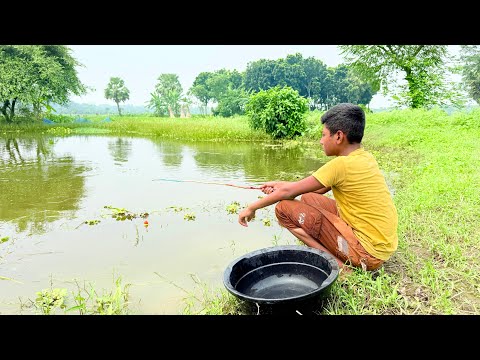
x: 349, y: 118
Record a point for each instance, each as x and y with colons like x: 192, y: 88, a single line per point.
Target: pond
x: 60, y: 197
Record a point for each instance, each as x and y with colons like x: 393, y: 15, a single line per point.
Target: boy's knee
x: 307, y: 197
x: 282, y: 211
x: 281, y: 207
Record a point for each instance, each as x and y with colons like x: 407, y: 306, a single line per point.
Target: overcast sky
x: 140, y: 65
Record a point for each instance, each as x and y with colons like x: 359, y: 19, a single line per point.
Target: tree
x: 312, y: 79
x: 289, y: 72
x: 167, y: 94
x: 259, y: 75
x: 321, y: 91
x: 232, y: 102
x: 157, y: 105
x: 36, y: 75
x: 201, y: 90
x: 470, y: 56
x: 117, y: 91
x: 423, y: 68
x: 348, y: 87
x: 220, y: 87
x: 315, y: 78
x: 222, y: 81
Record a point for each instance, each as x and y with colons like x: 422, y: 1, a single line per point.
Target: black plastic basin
x: 282, y: 279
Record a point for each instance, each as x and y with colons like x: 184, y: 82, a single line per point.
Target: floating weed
x: 92, y: 222
x: 4, y: 239
x: 186, y: 216
x: 176, y: 208
x: 232, y: 208
x: 88, y: 222
x: 189, y: 216
x: 121, y: 214
x: 266, y: 222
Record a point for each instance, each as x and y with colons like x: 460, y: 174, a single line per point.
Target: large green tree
x: 322, y: 86
x: 223, y: 80
x: 232, y: 102
x: 423, y: 68
x: 36, y: 76
x: 117, y: 91
x: 470, y: 69
x: 259, y: 75
x: 223, y: 87
x: 347, y: 87
x: 315, y: 77
x: 201, y: 89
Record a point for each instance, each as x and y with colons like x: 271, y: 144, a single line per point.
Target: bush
x: 279, y: 111
x: 60, y: 119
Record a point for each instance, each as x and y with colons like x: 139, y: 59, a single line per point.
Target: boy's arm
x: 323, y: 190
x: 285, y: 190
x: 270, y: 186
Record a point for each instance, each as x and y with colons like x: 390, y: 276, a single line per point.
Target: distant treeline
x: 74, y: 108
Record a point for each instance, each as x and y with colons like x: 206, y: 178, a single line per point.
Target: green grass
x: 197, y: 128
x: 86, y: 300
x: 430, y: 160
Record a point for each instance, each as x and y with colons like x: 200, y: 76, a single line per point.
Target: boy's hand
x: 245, y: 216
x: 267, y: 189
x: 271, y: 186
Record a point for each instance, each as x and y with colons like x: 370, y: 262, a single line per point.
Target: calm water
x: 49, y: 187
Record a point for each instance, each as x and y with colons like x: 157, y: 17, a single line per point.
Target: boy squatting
x: 359, y: 225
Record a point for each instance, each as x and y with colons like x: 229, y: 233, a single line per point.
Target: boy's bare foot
x: 344, y: 271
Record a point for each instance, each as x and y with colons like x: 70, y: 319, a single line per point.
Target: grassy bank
x: 197, y: 128
x: 431, y: 163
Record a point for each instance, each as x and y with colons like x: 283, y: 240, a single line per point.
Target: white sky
x: 140, y: 65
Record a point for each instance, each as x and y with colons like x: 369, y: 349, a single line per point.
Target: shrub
x: 279, y: 111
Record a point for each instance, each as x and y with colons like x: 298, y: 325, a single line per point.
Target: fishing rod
x: 212, y: 183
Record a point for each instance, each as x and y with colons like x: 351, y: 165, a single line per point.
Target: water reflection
x: 170, y: 153
x: 237, y: 161
x: 37, y: 187
x: 15, y: 151
x: 120, y: 149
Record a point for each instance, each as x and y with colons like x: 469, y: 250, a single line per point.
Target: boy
x: 359, y: 226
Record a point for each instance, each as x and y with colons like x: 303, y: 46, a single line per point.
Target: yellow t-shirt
x: 363, y: 200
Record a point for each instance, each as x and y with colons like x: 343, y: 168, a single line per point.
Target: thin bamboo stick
x: 212, y: 183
